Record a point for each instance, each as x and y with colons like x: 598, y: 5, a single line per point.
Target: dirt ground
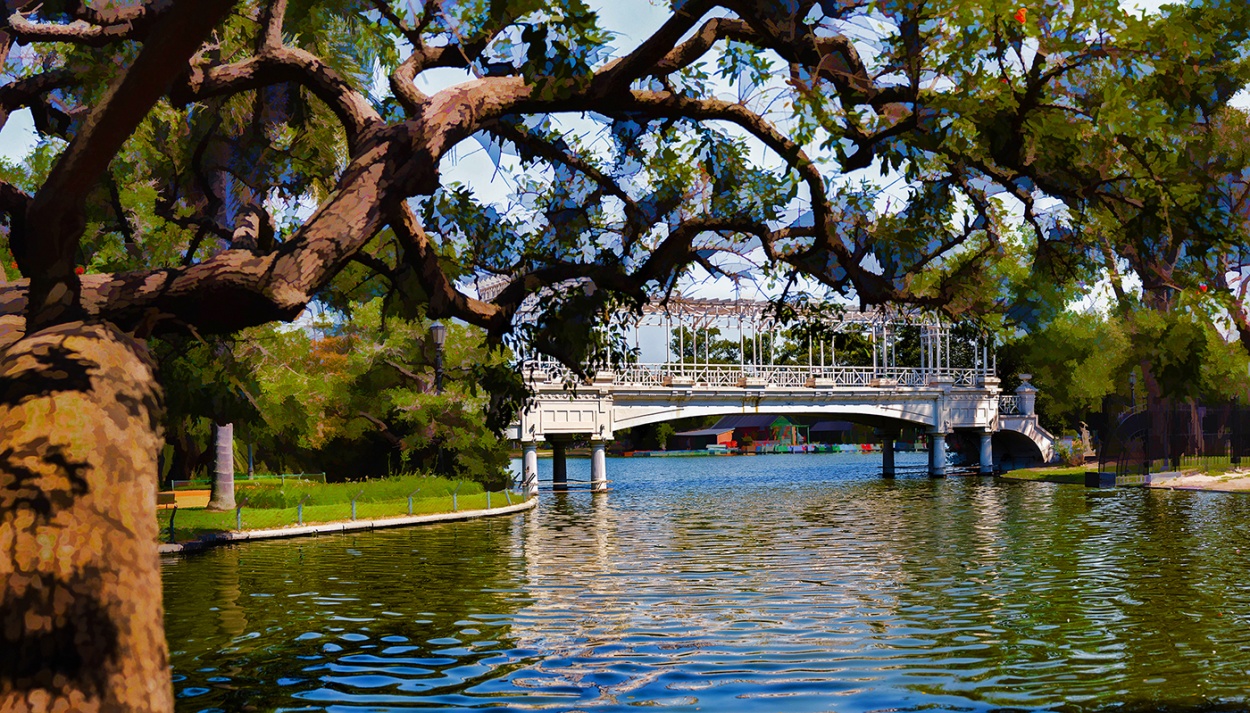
x: 1232, y: 481
x: 192, y: 498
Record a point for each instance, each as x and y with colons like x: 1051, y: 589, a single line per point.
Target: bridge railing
x: 738, y: 375
x: 1009, y: 405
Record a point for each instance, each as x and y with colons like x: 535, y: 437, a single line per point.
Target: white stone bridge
x: 935, y: 395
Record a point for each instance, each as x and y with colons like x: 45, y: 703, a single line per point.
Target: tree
x: 357, y: 398
x: 185, y: 141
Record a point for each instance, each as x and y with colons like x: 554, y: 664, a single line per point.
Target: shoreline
x: 330, y: 528
x: 1232, y: 482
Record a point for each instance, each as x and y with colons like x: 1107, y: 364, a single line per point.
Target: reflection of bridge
x: 953, y: 389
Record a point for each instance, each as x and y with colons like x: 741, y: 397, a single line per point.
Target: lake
x: 768, y: 583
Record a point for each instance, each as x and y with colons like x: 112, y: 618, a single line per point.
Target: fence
x: 177, y: 525
x: 1170, y: 436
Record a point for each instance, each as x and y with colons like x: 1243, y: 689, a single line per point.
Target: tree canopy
x: 262, y: 161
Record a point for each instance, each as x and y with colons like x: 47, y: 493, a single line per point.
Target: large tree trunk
x: 81, y: 616
x: 222, y: 497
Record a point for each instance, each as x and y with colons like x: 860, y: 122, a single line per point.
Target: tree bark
x: 223, y: 474
x: 80, y: 590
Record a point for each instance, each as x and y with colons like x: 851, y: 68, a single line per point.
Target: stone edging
x: 228, y: 538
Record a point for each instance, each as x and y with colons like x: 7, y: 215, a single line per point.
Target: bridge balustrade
x: 736, y: 375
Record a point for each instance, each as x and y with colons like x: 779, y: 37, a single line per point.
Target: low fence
x: 182, y: 524
x: 1175, y: 436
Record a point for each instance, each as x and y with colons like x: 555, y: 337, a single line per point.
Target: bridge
x: 951, y: 388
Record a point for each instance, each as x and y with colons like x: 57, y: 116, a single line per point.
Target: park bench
x: 165, y: 499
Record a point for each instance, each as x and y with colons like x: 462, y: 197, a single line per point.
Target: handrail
x: 1008, y: 405
x: 733, y: 375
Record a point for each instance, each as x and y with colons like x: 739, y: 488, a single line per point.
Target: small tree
x: 663, y: 433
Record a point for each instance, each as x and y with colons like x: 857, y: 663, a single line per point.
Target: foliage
x: 1071, y: 454
x: 1075, y: 360
x: 664, y: 432
x: 972, y: 112
x: 351, y: 396
x: 356, y: 396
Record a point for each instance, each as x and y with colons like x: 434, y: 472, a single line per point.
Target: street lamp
x: 1132, y: 388
x: 439, y: 332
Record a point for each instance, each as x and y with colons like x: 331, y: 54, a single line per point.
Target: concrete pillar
x: 1028, y: 395
x: 559, y: 466
x: 887, y: 454
x: 598, y: 466
x: 987, y: 451
x: 937, y: 454
x: 529, y: 468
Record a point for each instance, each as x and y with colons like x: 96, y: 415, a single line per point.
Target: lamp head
x: 439, y: 331
x: 1132, y: 378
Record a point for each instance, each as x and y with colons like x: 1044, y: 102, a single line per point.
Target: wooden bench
x: 165, y: 499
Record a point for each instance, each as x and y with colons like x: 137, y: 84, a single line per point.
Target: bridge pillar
x: 529, y: 468
x: 987, y: 451
x: 887, y: 454
x: 937, y: 454
x: 598, y: 467
x: 559, y: 465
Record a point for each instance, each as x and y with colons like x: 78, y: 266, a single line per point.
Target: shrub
x: 1071, y: 455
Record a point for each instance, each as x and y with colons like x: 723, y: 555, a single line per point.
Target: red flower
x: 1021, y: 15
x: 79, y: 270
x: 1202, y: 288
x: 13, y: 264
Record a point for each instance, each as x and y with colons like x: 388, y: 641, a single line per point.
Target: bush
x: 1072, y: 455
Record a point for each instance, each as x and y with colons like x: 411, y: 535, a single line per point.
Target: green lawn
x: 266, y: 506
x: 1069, y: 474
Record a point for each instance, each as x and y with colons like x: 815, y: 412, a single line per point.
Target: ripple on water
x: 786, y: 583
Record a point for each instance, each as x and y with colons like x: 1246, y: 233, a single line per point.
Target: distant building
x: 702, y: 438
x: 764, y: 428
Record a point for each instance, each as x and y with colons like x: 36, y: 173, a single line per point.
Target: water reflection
x: 782, y: 583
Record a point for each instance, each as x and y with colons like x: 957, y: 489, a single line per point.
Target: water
x: 777, y: 583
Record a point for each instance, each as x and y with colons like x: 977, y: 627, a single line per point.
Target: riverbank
x: 1233, y: 481
x: 218, y: 539
x: 273, y: 505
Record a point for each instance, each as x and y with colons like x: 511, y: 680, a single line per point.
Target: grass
x: 1063, y: 474
x: 272, y: 505
x: 270, y: 494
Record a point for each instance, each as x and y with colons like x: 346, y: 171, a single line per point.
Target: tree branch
x: 57, y: 212
x: 280, y: 65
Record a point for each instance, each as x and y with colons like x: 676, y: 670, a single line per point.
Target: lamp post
x: 1132, y: 388
x: 439, y: 332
